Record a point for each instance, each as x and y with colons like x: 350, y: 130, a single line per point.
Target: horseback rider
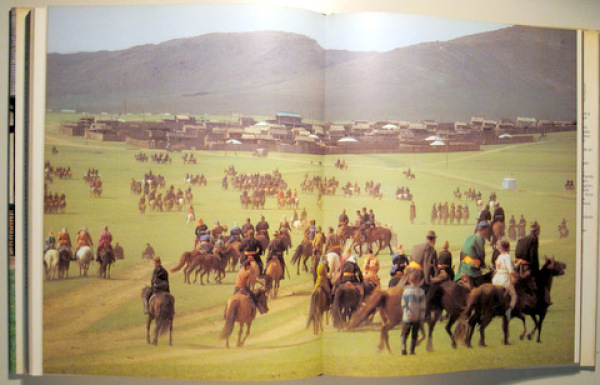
x: 235, y: 234
x: 371, y: 268
x: 399, y: 262
x: 148, y: 252
x: 423, y: 261
x: 205, y: 243
x: 526, y: 251
x: 445, y: 260
x: 322, y: 277
x: 343, y: 220
x: 333, y: 242
x: 50, y: 242
x: 498, y: 214
x: 364, y: 218
x: 242, y: 282
x: 505, y: 274
x: 104, y: 243
x: 158, y: 283
x: 247, y: 227
x: 262, y: 227
x: 284, y: 225
x: 252, y: 249
x: 311, y: 230
x: 64, y: 239
x: 276, y: 249
x: 350, y: 272
x: 83, y: 239
x: 473, y: 255
x: 200, y: 230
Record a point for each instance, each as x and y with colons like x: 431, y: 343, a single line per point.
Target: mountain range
x: 512, y: 72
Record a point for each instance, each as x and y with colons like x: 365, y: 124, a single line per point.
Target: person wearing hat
x: 104, y: 243
x: 526, y: 251
x: 399, y: 262
x: 262, y: 227
x: 423, y: 262
x: 472, y: 255
x: 50, y: 242
x: 83, y: 238
x: 343, y: 220
x: 64, y: 239
x: 235, y: 234
x: 247, y: 227
x: 333, y: 242
x: 445, y: 260
x: 158, y: 283
x: 252, y: 249
x: 276, y: 249
x: 311, y: 230
x: 200, y: 230
x: 350, y: 272
x: 148, y: 252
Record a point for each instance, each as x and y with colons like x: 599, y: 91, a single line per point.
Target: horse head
x: 556, y: 267
x: 261, y: 301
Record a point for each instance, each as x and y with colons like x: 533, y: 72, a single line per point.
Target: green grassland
x: 94, y: 326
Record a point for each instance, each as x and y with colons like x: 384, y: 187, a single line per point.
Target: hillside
x: 517, y: 71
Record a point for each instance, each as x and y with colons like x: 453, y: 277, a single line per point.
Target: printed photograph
x: 252, y: 193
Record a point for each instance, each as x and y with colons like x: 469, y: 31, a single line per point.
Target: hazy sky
x: 95, y: 28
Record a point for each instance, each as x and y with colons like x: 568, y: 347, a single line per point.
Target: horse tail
x: 336, y: 309
x: 462, y: 328
x: 182, y: 261
x: 297, y: 254
x: 375, y: 300
x: 230, y: 315
x: 165, y: 315
x: 312, y: 313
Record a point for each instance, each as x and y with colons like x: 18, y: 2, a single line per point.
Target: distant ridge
x: 516, y: 71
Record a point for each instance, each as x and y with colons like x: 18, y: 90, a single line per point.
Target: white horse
x: 84, y: 258
x: 51, y: 263
x: 298, y: 226
x: 191, y: 219
x: 333, y: 260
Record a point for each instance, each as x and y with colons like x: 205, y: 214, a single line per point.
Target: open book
x: 232, y: 113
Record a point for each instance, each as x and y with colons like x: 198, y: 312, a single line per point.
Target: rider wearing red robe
x: 104, y: 242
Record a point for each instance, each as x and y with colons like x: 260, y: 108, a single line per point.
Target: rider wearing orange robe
x: 64, y: 239
x: 242, y: 282
x: 83, y: 239
x: 104, y: 242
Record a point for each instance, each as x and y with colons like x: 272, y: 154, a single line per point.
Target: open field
x: 94, y: 326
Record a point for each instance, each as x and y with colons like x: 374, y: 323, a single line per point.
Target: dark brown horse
x: 65, y: 255
x: 107, y: 258
x: 543, y: 281
x: 320, y: 304
x: 380, y: 236
x: 302, y: 253
x: 488, y: 301
x: 161, y: 309
x: 239, y: 309
x: 346, y: 301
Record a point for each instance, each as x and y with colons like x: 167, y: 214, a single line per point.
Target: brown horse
x: 161, y: 308
x: 389, y: 303
x: 488, y: 301
x: 302, y: 253
x: 205, y: 265
x: 273, y: 274
x: 379, y: 236
x: 239, y: 309
x: 189, y: 261
x: 319, y: 305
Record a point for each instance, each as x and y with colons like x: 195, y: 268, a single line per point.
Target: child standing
x: 413, y: 308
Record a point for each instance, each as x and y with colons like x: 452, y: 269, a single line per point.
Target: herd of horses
x: 57, y: 262
x: 463, y: 305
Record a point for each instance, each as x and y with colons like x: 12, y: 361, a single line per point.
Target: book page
x: 177, y: 127
x: 450, y: 116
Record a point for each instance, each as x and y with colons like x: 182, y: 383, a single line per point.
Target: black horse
x: 543, y: 281
x: 345, y: 302
x: 65, y: 256
x: 106, y: 257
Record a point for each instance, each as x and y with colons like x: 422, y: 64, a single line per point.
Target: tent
x: 437, y: 143
x: 433, y: 137
x: 347, y: 139
x: 509, y: 184
x: 233, y: 141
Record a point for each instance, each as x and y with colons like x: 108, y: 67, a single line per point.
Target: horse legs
x: 448, y: 328
x: 148, y: 328
x: 432, y: 322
